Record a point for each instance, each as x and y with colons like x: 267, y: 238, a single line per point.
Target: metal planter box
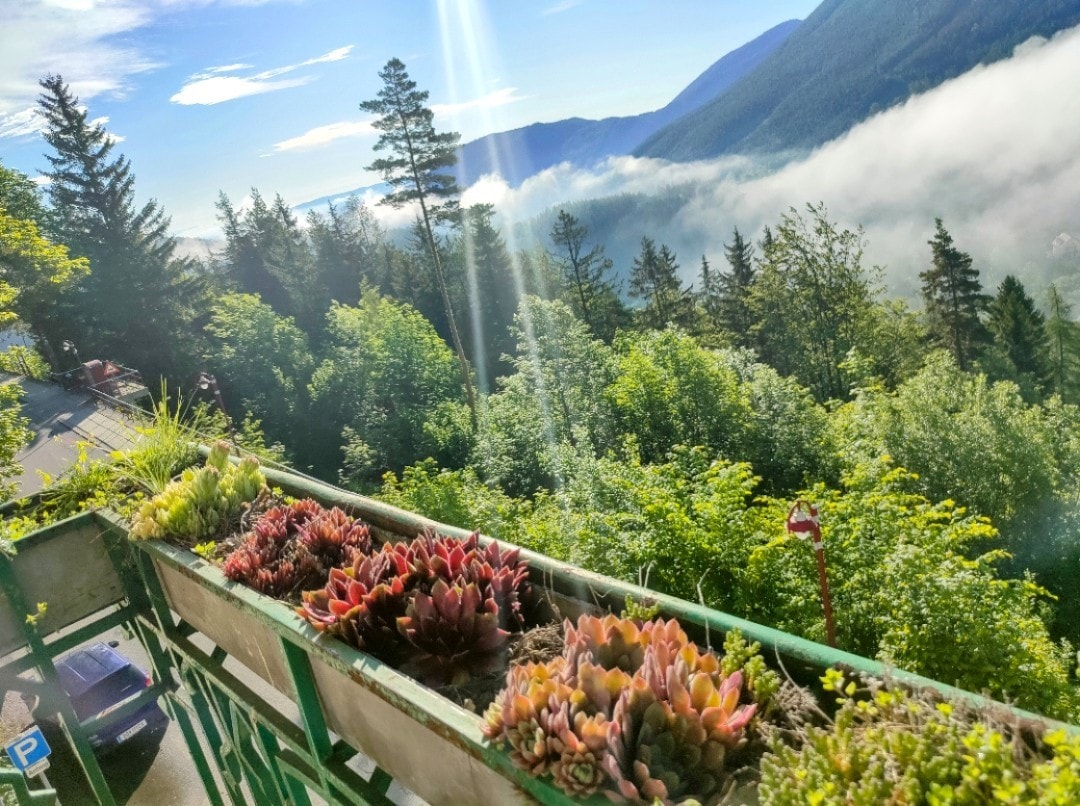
x: 427, y: 743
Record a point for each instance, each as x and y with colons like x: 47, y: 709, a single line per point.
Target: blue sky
x: 225, y: 95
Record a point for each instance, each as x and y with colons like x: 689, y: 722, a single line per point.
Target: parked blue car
x: 98, y: 680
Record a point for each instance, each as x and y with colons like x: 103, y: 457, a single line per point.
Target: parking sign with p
x: 29, y: 752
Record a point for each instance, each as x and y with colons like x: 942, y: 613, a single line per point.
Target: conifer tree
x: 708, y: 295
x: 495, y: 289
x: 416, y: 172
x: 137, y: 303
x: 735, y: 314
x: 1019, y: 329
x: 589, y: 292
x: 813, y: 301
x: 953, y: 299
x: 654, y: 279
x: 1062, y: 347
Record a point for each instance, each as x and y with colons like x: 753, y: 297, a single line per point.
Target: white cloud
x: 75, y: 38
x: 324, y: 135
x: 218, y: 89
x: 227, y: 68
x: 23, y: 123
x: 208, y: 87
x: 494, y: 99
x: 559, y: 8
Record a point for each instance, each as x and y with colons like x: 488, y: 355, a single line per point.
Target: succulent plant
x: 361, y: 604
x: 296, y: 546
x: 455, y: 630
x: 532, y: 691
x: 633, y: 708
x: 204, y: 501
x: 441, y: 604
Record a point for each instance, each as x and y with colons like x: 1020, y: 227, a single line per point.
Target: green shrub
x: 891, y: 747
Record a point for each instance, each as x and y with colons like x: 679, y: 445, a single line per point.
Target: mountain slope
x: 516, y: 155
x: 849, y: 59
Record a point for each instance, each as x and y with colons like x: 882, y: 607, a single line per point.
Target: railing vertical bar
x: 44, y: 663
x: 155, y: 596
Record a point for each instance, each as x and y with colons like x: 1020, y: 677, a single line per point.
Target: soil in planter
x: 537, y: 645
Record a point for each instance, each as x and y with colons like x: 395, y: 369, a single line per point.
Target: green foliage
x: 86, y: 484
x: 966, y: 438
x: 415, y: 168
x: 136, y: 304
x: 14, y: 433
x: 587, y: 290
x: 556, y: 398
x: 654, y: 279
x: 905, y: 590
x: 1063, y: 347
x: 952, y: 295
x: 35, y: 271
x: 262, y: 361
x: 729, y: 296
x: 787, y: 437
x: 892, y: 747
x: 813, y: 300
x: 1018, y: 328
x: 685, y: 526
x: 455, y: 497
x: 26, y: 361
x: 165, y: 445
x: 386, y: 370
x: 670, y: 391
x: 493, y: 299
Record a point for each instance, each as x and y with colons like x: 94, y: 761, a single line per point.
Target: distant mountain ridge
x: 518, y: 154
x: 847, y: 60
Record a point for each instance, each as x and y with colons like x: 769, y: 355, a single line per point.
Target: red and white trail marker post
x: 802, y: 521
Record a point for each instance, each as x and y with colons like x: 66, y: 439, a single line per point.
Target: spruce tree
x: 495, y: 290
x: 1019, y: 329
x: 953, y: 299
x: 416, y: 170
x: 708, y: 295
x: 734, y: 311
x: 137, y: 303
x: 654, y: 279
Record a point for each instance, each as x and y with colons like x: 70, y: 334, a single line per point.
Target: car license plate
x: 127, y: 734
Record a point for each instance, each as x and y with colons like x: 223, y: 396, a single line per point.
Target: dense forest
x: 656, y: 431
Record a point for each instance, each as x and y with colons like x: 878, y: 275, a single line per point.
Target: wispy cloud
x: 89, y: 42
x: 218, y: 89
x: 559, y: 8
x: 76, y: 38
x: 500, y: 97
x: 324, y: 135
x: 228, y: 68
x: 209, y: 87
